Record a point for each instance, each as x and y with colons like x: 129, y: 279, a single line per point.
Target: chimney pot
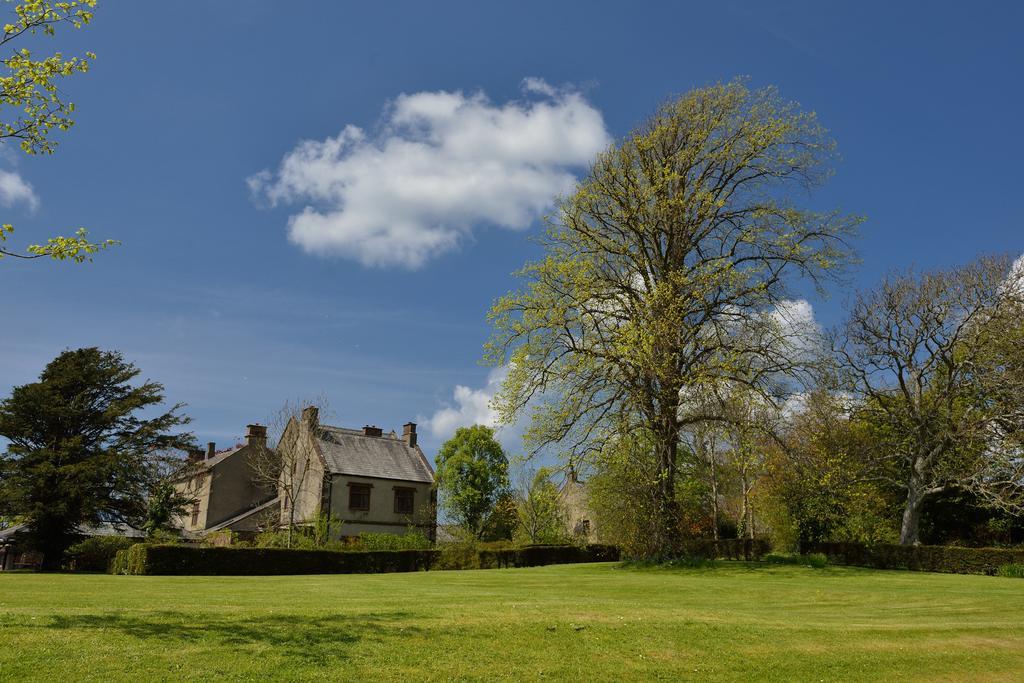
x: 409, y: 434
x: 211, y: 449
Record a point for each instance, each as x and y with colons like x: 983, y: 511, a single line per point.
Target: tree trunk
x: 741, y: 526
x: 668, y: 517
x: 910, y: 526
x: 714, y: 494
x: 750, y: 516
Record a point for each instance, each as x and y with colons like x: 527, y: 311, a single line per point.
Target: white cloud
x: 1015, y: 278
x: 15, y: 189
x: 469, y: 407
x: 443, y: 163
x: 799, y: 332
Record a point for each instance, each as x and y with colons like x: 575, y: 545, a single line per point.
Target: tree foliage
x: 472, y: 475
x: 623, y: 497
x: 164, y: 504
x: 539, y: 513
x: 819, y: 483
x: 35, y: 104
x: 85, y: 447
x: 661, y: 274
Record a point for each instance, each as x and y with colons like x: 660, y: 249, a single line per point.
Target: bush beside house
x: 96, y: 554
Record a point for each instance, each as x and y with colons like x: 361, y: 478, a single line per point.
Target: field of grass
x: 580, y: 622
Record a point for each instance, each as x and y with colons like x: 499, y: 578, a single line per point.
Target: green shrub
x: 458, y: 554
x: 929, y: 558
x: 96, y: 554
x: 163, y: 536
x: 131, y: 560
x: 779, y: 558
x: 413, y: 540
x: 681, y: 562
x: 816, y: 560
x: 724, y: 549
x: 1015, y: 571
x: 301, y: 539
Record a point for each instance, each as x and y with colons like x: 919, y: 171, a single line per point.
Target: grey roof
x: 349, y: 451
x: 101, y: 529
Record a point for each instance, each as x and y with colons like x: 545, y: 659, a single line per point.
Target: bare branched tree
x: 936, y: 361
x: 288, y: 469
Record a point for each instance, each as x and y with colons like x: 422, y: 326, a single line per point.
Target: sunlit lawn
x: 582, y: 622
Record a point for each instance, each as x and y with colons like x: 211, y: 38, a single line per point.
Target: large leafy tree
x: 472, y: 476
x: 820, y: 483
x: 32, y: 104
x: 661, y: 274
x: 86, y: 446
x: 935, y: 358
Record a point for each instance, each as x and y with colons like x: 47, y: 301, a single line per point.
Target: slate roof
x: 101, y: 529
x: 349, y: 451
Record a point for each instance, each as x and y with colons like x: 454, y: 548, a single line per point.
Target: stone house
x: 225, y: 491
x: 578, y: 516
x: 373, y: 482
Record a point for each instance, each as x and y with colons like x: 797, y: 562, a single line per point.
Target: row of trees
x: 655, y: 343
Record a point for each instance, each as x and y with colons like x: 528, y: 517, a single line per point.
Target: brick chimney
x: 195, y: 454
x: 409, y: 434
x: 369, y: 430
x: 256, y: 435
x: 211, y: 449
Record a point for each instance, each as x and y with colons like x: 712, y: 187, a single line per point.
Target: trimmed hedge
x: 198, y: 560
x: 539, y: 555
x: 925, y: 558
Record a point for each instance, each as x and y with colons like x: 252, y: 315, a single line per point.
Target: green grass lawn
x: 582, y: 622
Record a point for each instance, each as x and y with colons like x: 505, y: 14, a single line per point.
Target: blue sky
x: 212, y: 294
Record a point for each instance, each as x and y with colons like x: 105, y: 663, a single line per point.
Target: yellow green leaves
x: 661, y: 270
x: 76, y: 248
x: 33, y: 105
x: 31, y: 86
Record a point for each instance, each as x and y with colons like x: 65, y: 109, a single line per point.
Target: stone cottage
x: 373, y: 482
